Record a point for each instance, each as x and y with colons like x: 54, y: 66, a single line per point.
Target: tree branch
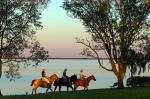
x: 97, y: 56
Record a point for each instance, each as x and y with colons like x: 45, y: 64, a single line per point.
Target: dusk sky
x: 59, y: 32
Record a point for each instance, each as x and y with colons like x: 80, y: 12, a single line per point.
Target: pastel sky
x: 59, y: 32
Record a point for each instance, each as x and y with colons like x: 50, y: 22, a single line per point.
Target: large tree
x: 19, y: 21
x: 115, y: 27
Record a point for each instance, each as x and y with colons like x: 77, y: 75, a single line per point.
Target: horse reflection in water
x: 83, y: 83
x: 39, y: 83
x: 67, y: 83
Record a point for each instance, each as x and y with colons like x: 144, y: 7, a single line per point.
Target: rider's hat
x: 65, y: 69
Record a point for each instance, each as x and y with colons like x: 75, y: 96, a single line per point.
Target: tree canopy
x: 115, y: 26
x: 19, y: 21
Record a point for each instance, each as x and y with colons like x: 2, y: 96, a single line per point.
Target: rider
x: 65, y: 77
x: 82, y: 76
x: 44, y: 78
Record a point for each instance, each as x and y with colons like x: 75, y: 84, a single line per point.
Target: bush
x: 138, y: 81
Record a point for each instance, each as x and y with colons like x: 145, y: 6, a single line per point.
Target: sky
x: 59, y: 32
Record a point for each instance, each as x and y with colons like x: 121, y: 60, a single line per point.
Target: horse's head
x: 54, y: 77
x: 73, y: 77
x: 93, y: 77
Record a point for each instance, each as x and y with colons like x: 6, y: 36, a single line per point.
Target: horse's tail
x: 32, y: 82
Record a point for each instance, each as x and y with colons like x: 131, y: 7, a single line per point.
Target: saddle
x: 65, y: 79
x: 45, y: 79
x: 82, y: 79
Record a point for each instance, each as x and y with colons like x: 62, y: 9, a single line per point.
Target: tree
x: 135, y: 65
x: 19, y: 20
x: 115, y: 26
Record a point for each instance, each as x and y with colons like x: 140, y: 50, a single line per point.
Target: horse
x: 83, y: 83
x: 39, y: 83
x: 68, y: 83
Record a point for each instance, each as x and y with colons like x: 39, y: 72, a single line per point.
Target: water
x: 104, y: 79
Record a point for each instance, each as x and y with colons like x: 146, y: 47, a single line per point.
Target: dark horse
x: 67, y: 83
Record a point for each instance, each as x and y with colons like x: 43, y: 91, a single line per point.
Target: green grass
x: 126, y: 93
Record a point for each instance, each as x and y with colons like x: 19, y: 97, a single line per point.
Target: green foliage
x: 136, y: 62
x: 138, y: 81
x: 13, y: 72
x: 19, y: 21
x: 117, y: 25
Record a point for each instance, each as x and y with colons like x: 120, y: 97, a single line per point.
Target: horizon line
x: 61, y: 58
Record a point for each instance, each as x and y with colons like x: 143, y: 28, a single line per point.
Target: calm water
x: 21, y: 86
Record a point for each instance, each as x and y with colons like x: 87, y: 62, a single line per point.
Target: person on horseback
x: 65, y: 77
x: 44, y: 78
x: 82, y: 76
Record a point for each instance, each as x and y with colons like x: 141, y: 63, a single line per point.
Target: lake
x: 104, y: 79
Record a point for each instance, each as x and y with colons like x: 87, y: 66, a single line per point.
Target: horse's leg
x: 55, y: 89
x: 59, y: 88
x: 84, y: 88
x: 75, y: 88
x: 35, y: 91
x: 67, y: 89
x: 87, y: 89
x: 71, y: 88
x: 47, y: 90
x: 51, y: 89
x: 32, y: 91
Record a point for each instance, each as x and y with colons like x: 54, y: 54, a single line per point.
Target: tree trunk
x: 0, y: 68
x: 120, y: 84
x: 120, y: 81
x: 1, y: 93
x: 119, y: 72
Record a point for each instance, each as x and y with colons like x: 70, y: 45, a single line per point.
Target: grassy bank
x: 127, y: 93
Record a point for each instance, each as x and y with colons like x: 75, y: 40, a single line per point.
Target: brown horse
x: 39, y: 83
x: 83, y: 83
